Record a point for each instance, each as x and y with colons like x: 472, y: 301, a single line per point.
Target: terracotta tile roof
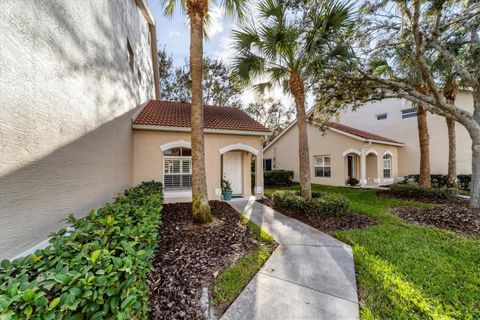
x: 177, y: 114
x: 360, y: 133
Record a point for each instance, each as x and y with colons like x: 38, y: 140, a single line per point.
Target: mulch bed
x: 190, y: 256
x: 325, y: 223
x: 455, y: 216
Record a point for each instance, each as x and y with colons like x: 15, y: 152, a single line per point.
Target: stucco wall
x: 405, y: 130
x: 285, y: 154
x: 67, y: 95
x: 148, y: 157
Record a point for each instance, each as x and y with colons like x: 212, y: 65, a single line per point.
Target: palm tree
x: 197, y: 11
x: 282, y: 52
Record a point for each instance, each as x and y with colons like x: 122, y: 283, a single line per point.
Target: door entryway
x: 233, y: 170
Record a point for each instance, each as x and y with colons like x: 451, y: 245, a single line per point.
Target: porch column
x: 363, y: 169
x: 259, y: 176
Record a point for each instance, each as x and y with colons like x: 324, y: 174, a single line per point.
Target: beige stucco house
x: 161, y: 149
x: 337, y: 153
x: 376, y: 144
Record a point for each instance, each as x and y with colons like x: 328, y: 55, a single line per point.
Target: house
x: 376, y: 144
x: 337, y: 153
x: 162, y: 149
x: 396, y: 119
x: 73, y: 73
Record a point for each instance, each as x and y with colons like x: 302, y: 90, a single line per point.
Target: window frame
x: 380, y: 116
x: 322, y: 166
x: 181, y: 173
x: 409, y: 113
x: 271, y: 164
x: 388, y: 158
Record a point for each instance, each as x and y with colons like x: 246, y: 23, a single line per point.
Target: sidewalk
x: 309, y: 276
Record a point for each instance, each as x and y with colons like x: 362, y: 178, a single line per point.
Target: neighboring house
x: 72, y: 75
x: 376, y: 144
x: 162, y: 149
x: 337, y: 154
x: 396, y: 119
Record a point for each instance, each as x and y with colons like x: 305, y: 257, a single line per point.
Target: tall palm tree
x: 281, y: 51
x: 197, y: 12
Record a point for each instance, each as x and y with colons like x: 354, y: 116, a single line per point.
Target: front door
x: 233, y: 170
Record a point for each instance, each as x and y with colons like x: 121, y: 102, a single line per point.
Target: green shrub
x: 353, y: 182
x: 328, y: 204
x: 441, y: 180
x: 413, y: 190
x: 278, y: 178
x: 97, y: 271
x: 464, y: 181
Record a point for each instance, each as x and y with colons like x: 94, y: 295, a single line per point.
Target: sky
x: 174, y: 34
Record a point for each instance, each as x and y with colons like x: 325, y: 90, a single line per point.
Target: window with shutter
x: 177, y: 174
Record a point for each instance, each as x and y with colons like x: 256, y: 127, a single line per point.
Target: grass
x: 406, y: 271
x: 228, y: 285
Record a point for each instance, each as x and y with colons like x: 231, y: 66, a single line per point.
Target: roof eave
x: 354, y: 136
x: 137, y: 126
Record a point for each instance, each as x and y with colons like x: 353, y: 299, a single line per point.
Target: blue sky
x: 174, y: 34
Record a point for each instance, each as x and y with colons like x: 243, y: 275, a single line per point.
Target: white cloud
x: 175, y: 34
x: 215, y: 24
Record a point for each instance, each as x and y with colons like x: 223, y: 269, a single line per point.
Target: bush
x: 441, y: 180
x: 97, y: 271
x: 328, y: 204
x: 278, y: 178
x: 413, y: 190
x: 353, y: 182
x: 464, y: 181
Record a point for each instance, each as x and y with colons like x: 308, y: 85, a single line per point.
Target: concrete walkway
x: 309, y: 276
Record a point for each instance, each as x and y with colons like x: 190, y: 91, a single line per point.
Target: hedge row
x: 97, y: 271
x: 441, y: 180
x: 278, y: 178
x: 328, y: 204
x: 413, y: 190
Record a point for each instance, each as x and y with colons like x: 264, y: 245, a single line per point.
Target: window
x: 267, y: 164
x: 387, y: 166
x: 382, y: 116
x: 177, y: 169
x: 322, y: 167
x: 409, y: 113
x: 131, y: 56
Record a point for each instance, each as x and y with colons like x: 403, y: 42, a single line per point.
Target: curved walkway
x: 309, y: 276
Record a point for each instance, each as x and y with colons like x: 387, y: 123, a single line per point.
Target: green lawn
x: 232, y: 280
x: 407, y: 271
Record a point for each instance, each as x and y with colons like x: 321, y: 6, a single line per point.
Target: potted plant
x: 226, y: 190
x: 352, y: 182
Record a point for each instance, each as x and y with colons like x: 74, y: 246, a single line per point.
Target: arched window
x: 177, y: 169
x: 387, y: 166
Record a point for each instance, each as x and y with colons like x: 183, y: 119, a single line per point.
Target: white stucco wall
x: 406, y: 131
x: 67, y: 95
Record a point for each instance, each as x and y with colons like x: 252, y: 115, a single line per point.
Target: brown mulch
x: 456, y: 216
x: 325, y: 223
x: 189, y: 256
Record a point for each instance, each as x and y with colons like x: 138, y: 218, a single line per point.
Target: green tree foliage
x: 220, y: 86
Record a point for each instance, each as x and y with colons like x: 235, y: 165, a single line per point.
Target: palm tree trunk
x: 298, y: 91
x: 424, y: 139
x: 452, y: 153
x: 200, y: 206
